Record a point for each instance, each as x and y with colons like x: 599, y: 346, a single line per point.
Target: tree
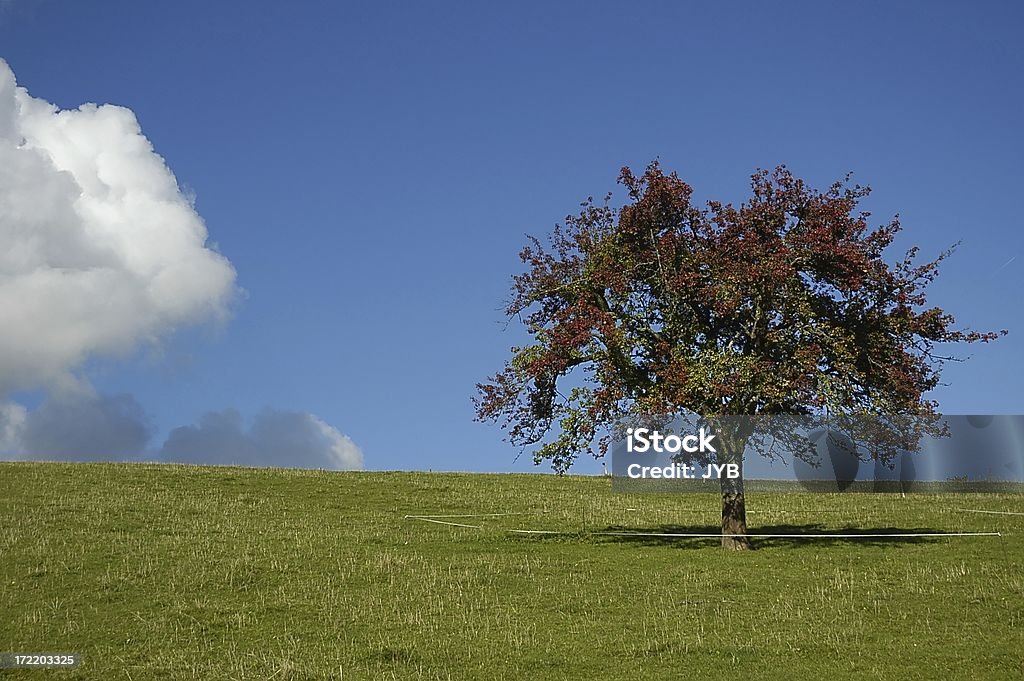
x: 783, y: 305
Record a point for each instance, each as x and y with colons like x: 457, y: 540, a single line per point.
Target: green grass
x: 175, y: 572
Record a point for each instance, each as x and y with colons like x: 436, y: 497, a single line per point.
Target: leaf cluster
x: 782, y: 305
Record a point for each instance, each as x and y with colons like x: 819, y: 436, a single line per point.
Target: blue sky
x: 371, y: 170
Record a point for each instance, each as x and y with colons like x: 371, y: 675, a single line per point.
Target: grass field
x: 155, y: 572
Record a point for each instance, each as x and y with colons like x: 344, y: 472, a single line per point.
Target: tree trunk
x: 734, y: 510
x: 734, y: 434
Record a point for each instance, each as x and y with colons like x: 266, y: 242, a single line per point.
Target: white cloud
x: 12, y: 425
x: 76, y: 427
x: 84, y: 426
x: 101, y: 251
x: 276, y: 438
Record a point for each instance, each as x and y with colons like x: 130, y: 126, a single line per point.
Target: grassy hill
x: 176, y: 572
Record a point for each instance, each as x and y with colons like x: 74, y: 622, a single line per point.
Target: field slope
x: 175, y: 572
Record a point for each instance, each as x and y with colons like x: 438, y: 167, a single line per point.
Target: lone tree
x: 783, y: 305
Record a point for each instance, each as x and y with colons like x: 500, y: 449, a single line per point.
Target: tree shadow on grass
x: 794, y: 536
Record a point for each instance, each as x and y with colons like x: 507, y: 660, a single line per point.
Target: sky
x: 294, y: 230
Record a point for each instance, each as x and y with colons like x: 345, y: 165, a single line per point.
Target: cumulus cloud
x: 88, y: 427
x: 76, y: 427
x: 12, y: 425
x: 101, y: 249
x: 275, y: 438
x: 101, y: 252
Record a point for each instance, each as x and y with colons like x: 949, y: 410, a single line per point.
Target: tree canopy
x: 782, y: 305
